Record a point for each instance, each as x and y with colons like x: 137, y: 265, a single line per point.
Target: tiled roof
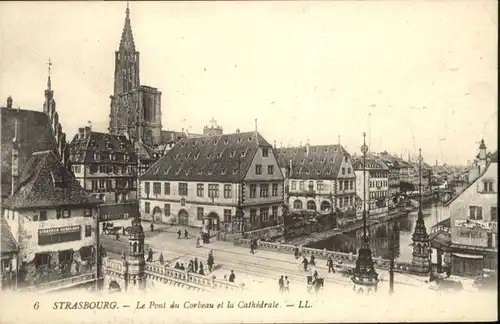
x: 224, y: 158
x: 35, y: 134
x: 171, y: 136
x: 321, y: 162
x: 7, y: 243
x: 143, y: 151
x: 372, y: 163
x: 46, y: 182
x: 83, y: 150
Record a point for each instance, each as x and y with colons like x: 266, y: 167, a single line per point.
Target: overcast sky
x: 425, y: 71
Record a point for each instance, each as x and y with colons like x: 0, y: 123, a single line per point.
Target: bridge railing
x: 62, y: 283
x: 189, y: 278
x: 348, y: 259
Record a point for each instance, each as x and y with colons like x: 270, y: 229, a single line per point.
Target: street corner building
x: 105, y: 165
x: 468, y: 236
x: 228, y: 183
x: 320, y: 180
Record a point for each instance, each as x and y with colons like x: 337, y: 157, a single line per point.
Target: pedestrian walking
x: 251, y: 248
x: 186, y: 234
x: 152, y: 226
x: 296, y: 252
x: 232, y: 276
x: 313, y: 261
x: 195, y: 264
x: 281, y: 284
x: 117, y: 236
x: 305, y: 263
x: 198, y: 242
x: 210, y: 261
x: 329, y: 263
x: 287, y: 285
x: 201, y: 269
x: 179, y: 233
x: 150, y: 256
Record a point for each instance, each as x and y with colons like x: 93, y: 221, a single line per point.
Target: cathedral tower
x: 135, y: 109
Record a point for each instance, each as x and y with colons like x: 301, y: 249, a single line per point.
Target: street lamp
x: 364, y: 275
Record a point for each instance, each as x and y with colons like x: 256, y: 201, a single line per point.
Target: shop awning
x: 468, y: 256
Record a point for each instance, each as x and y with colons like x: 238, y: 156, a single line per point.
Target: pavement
x: 258, y: 272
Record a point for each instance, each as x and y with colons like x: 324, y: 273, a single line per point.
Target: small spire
x: 49, y: 84
x: 256, y: 125
x: 9, y: 102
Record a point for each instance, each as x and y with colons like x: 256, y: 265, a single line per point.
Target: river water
x: 399, y: 231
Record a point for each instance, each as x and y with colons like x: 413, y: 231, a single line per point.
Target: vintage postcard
x: 248, y: 161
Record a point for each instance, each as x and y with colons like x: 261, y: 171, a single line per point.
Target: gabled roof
x: 314, y: 162
x: 372, y: 163
x: 35, y: 134
x: 7, y: 242
x: 494, y: 162
x: 82, y: 150
x: 45, y: 182
x: 224, y: 158
x: 494, y: 157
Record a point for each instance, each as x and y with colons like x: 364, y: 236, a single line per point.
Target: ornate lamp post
x: 421, y: 244
x: 365, y: 276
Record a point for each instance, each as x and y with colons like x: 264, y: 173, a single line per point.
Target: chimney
x: 9, y: 102
x: 274, y: 144
x: 307, y: 148
x: 15, y: 157
x: 237, y: 130
x: 256, y: 125
x: 80, y: 132
x: 291, y: 168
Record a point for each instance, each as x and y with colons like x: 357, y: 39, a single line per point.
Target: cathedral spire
x: 127, y: 41
x: 49, y: 84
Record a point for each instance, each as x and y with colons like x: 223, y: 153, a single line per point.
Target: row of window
x: 60, y: 213
x: 108, y: 184
x: 258, y: 169
x: 115, y: 169
x: 343, y: 185
x: 213, y: 189
x: 379, y: 174
x: 325, y: 205
x: 475, y: 234
x: 263, y: 190
x: 263, y: 214
x: 378, y: 194
x: 476, y: 213
x: 378, y: 183
x: 349, y: 170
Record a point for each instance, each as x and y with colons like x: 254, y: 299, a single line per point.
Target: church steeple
x: 127, y: 41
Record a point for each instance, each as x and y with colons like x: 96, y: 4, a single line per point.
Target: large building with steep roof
x: 320, y: 179
x: 51, y: 218
x: 106, y: 167
x: 203, y: 181
x: 33, y: 133
x: 470, y: 229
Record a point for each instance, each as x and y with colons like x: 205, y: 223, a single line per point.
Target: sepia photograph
x: 248, y: 161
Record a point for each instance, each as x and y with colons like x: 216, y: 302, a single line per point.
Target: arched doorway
x: 325, y: 206
x: 114, y: 287
x: 213, y: 221
x: 183, y: 217
x: 157, y: 214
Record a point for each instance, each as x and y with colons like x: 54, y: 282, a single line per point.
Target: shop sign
x: 479, y: 224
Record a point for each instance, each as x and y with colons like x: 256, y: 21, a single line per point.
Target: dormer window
x: 97, y: 157
x: 202, y: 143
x: 250, y: 139
x: 197, y: 155
x: 176, y: 156
x: 232, y: 153
x: 122, y: 146
x: 326, y: 150
x: 126, y: 157
x: 317, y: 172
x: 186, y: 173
x: 223, y: 171
x: 177, y: 172
x: 226, y: 142
x: 209, y: 172
x: 167, y: 170
x: 113, y: 157
x: 200, y: 172
x: 182, y: 144
x: 219, y: 155
x: 323, y: 160
x: 239, y: 140
x: 215, y: 142
x: 235, y: 171
x: 155, y: 171
x: 188, y: 155
x: 209, y: 156
x: 242, y: 154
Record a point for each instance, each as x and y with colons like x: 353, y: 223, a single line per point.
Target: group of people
x: 284, y: 285
x: 193, y: 266
x: 253, y: 246
x: 232, y: 276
